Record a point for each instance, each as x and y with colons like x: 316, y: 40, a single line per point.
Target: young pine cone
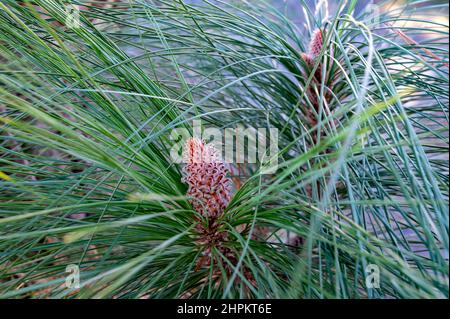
x: 206, y: 175
x: 315, y: 48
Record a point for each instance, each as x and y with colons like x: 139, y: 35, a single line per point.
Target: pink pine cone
x: 206, y: 176
x: 316, y: 43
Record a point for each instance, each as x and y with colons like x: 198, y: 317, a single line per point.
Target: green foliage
x: 86, y: 116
